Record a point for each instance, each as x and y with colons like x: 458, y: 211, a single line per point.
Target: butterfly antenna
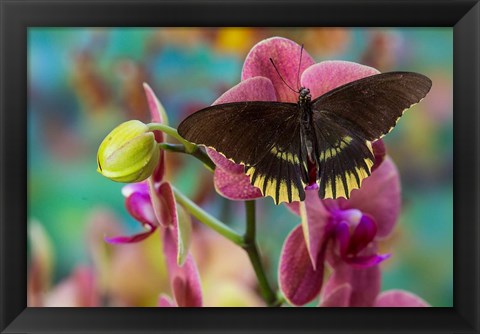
x: 275, y: 67
x: 299, y: 66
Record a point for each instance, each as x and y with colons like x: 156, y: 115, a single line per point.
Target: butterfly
x: 281, y: 143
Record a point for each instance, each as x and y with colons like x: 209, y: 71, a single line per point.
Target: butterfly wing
x: 372, y: 106
x: 263, y: 136
x: 349, y: 117
x: 343, y: 157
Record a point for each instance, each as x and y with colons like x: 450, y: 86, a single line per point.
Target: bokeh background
x: 83, y: 82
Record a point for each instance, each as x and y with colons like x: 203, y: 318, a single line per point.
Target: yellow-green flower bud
x: 129, y: 153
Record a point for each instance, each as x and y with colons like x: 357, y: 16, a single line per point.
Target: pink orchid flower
x: 344, y: 233
x: 261, y: 82
x: 153, y: 204
x: 344, y: 296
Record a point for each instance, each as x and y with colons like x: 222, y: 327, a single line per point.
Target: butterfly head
x: 304, y: 95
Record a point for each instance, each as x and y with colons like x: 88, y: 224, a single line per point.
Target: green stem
x: 253, y: 253
x: 189, y: 147
x: 207, y: 219
x: 199, y: 154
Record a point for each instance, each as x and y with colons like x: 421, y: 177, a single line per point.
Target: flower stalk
x: 189, y: 147
x: 251, y: 248
x: 198, y: 153
x: 207, y: 219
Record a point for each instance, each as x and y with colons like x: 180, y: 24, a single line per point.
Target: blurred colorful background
x: 83, y: 82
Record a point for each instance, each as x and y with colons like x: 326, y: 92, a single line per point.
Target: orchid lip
x: 352, y: 216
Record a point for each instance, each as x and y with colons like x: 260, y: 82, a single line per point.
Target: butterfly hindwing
x: 263, y: 136
x: 344, y: 159
x: 279, y: 172
x: 372, y: 106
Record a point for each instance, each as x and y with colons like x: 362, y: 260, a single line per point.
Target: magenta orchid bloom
x: 260, y: 82
x: 152, y: 203
x: 344, y: 233
x: 341, y: 296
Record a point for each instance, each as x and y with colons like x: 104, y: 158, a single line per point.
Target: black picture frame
x: 18, y: 15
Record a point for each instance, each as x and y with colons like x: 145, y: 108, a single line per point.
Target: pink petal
x: 133, y: 238
x: 131, y: 188
x: 157, y: 111
x: 165, y: 301
x: 183, y: 231
x: 379, y: 197
x: 234, y: 186
x: 184, y: 280
x: 286, y: 55
x: 340, y: 297
x: 254, y: 89
x: 362, y: 235
x: 342, y: 234
x: 379, y: 151
x: 158, y: 115
x: 363, y: 262
x: 327, y: 75
x: 164, y: 205
x: 222, y: 162
x: 298, y: 281
x: 365, y: 283
x: 140, y: 207
x: 399, y: 298
x: 159, y: 171
x: 314, y: 220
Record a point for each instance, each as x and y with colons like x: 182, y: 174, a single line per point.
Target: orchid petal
x: 133, y: 238
x: 342, y: 233
x: 365, y: 283
x: 399, y: 298
x: 163, y: 202
x: 159, y: 171
x: 379, y: 197
x: 220, y: 161
x: 379, y: 152
x: 185, y: 280
x: 131, y: 188
x: 165, y: 301
x: 253, y: 89
x: 234, y: 186
x: 256, y: 88
x: 184, y: 230
x: 157, y: 111
x: 339, y: 297
x: 327, y: 75
x: 314, y: 220
x: 362, y: 235
x: 158, y: 115
x: 298, y: 281
x: 286, y: 56
x: 140, y: 207
x: 361, y: 262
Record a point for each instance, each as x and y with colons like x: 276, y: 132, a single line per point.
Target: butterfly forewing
x: 372, y: 106
x: 263, y: 136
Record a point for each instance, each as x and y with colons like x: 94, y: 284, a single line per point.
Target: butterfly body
x: 324, y: 142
